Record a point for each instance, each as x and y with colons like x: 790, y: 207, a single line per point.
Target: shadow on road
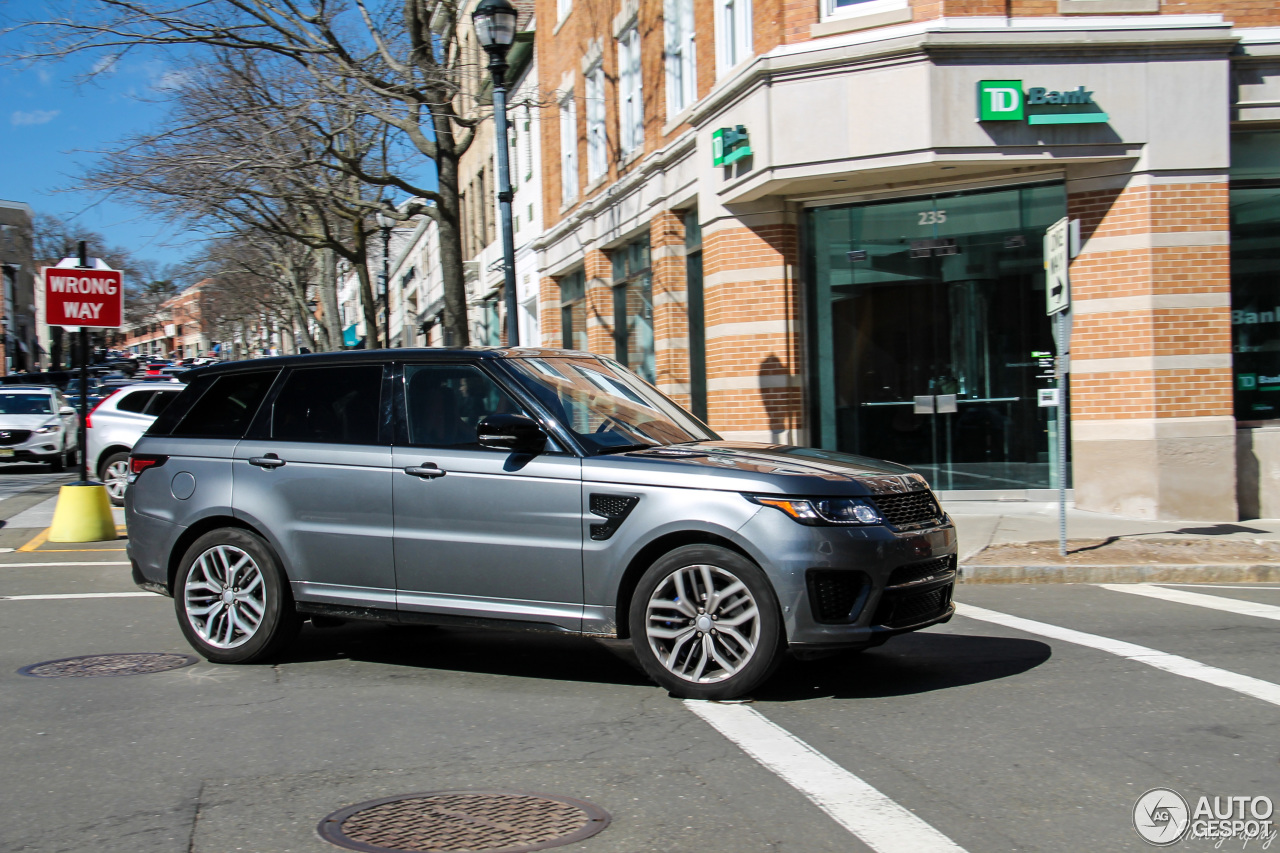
x: 909, y: 664
x: 514, y: 653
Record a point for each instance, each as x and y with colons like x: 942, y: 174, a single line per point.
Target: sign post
x: 80, y: 296
x: 1057, y: 259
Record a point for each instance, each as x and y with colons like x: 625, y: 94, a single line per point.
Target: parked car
x: 115, y: 425
x: 37, y: 425
x: 539, y: 489
x: 153, y: 368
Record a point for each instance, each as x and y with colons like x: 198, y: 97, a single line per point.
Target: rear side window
x: 160, y: 402
x: 225, y: 410
x: 333, y: 405
x: 135, y: 401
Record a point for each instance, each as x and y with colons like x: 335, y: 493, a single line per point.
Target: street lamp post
x: 385, y: 222
x: 495, y: 22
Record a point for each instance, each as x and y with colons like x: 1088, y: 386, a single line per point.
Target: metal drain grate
x: 455, y: 821
x: 105, y: 666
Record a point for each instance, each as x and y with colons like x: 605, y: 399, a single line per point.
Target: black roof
x: 379, y: 355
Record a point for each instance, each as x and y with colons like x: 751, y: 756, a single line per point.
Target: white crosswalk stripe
x: 1244, y: 684
x: 1213, y: 602
x: 878, y: 821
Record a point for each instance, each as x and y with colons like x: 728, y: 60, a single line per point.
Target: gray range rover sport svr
x: 528, y: 488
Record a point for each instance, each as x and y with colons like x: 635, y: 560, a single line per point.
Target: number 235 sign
x: 83, y: 297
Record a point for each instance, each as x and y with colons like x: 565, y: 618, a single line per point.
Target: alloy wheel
x: 116, y: 478
x: 225, y: 596
x: 702, y: 624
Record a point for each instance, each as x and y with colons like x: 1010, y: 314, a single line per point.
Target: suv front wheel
x: 233, y: 599
x: 705, y: 623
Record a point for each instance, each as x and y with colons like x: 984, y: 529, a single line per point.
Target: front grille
x: 920, y: 571
x: 909, y: 510
x: 833, y: 595
x: 10, y: 437
x: 898, y: 610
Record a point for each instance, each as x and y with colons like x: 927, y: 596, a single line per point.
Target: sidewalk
x: 1017, y: 542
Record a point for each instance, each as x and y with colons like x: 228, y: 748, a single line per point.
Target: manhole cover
x: 103, y: 666
x: 456, y: 821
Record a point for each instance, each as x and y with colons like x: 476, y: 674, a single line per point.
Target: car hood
x: 779, y: 469
x: 29, y: 422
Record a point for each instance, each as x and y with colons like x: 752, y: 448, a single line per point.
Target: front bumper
x: 37, y: 447
x: 855, y: 587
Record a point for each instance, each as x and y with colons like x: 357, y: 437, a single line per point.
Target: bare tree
x: 401, y: 62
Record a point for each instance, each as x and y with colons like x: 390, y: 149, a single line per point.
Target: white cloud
x: 105, y: 64
x: 169, y: 80
x: 45, y: 77
x: 33, y: 117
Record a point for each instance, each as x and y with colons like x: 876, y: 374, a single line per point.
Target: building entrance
x: 929, y: 338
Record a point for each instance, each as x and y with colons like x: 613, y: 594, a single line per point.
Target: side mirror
x: 66, y: 410
x: 516, y: 433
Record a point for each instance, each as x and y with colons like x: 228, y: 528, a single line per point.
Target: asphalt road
x: 985, y: 734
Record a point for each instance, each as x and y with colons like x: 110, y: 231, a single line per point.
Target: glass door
x: 930, y: 341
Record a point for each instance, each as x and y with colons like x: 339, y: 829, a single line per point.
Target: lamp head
x: 495, y: 22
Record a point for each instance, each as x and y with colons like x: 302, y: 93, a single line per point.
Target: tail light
x: 139, y: 462
x: 88, y: 419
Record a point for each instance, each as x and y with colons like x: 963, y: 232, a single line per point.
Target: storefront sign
x: 729, y: 145
x: 1005, y: 100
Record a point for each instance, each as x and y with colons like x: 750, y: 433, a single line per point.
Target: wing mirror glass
x: 66, y: 410
x: 516, y: 433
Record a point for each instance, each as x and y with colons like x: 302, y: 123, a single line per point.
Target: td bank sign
x: 1005, y: 100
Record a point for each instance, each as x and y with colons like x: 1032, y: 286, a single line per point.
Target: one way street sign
x: 75, y: 296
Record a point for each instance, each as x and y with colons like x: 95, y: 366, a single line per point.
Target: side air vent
x: 615, y: 508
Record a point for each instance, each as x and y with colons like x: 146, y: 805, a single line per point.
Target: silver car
x: 37, y: 425
x: 522, y: 488
x: 117, y: 423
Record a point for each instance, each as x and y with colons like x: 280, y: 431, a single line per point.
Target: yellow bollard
x: 82, y: 514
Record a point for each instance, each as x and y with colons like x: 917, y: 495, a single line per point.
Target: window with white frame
x: 568, y: 148
x: 851, y: 8
x: 630, y: 105
x: 733, y: 33
x: 681, y: 61
x: 527, y: 123
x: 597, y: 152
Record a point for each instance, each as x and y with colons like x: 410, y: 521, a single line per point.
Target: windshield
x: 606, y: 406
x: 26, y: 404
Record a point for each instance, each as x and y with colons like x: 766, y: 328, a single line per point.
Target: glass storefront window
x: 633, y: 308
x: 1255, y: 273
x: 929, y: 340
x: 573, y: 311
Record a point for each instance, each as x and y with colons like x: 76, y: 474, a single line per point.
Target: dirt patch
x: 1117, y: 551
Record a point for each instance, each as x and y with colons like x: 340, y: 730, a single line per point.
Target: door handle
x: 268, y: 461
x: 428, y: 471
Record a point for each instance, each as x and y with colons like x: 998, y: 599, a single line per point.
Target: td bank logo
x: 1005, y: 100
x: 1000, y: 100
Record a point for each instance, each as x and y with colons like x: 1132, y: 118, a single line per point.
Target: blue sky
x: 50, y: 125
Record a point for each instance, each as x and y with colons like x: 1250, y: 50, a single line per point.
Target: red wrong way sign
x: 83, y: 297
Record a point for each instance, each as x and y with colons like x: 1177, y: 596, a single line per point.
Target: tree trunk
x: 360, y: 260
x: 330, y: 314
x: 456, y: 332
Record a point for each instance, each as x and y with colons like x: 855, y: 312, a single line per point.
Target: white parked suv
x: 36, y: 425
x: 117, y: 423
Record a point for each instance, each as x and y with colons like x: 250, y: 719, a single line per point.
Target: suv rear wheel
x: 705, y: 623
x: 233, y: 599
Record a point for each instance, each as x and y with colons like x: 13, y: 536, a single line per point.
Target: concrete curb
x: 1221, y: 573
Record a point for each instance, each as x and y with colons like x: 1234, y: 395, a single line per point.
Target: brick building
x: 820, y: 222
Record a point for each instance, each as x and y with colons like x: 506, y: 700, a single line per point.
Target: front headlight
x: 816, y: 511
x: 48, y: 428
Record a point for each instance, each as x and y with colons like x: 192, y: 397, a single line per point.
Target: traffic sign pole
x: 1057, y: 286
x: 82, y: 443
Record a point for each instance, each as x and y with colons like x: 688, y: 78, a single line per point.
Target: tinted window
x: 160, y: 402
x: 336, y: 405
x: 135, y: 401
x: 225, y: 410
x: 446, y: 402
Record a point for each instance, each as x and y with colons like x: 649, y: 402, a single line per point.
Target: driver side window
x: 444, y: 403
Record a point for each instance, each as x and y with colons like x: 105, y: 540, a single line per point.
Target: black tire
x: 197, y: 584
x: 58, y: 463
x: 114, y: 465
x: 671, y: 654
